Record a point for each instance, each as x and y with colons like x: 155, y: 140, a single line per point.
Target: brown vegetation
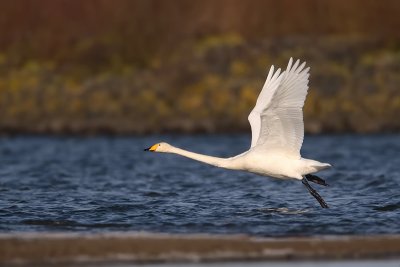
x: 183, y: 66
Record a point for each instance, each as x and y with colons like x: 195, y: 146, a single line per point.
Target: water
x: 109, y: 184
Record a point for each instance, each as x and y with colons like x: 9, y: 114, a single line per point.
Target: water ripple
x: 109, y: 184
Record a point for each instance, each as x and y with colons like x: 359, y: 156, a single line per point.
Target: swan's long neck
x: 215, y: 161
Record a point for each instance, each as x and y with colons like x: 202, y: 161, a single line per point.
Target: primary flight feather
x: 277, y: 132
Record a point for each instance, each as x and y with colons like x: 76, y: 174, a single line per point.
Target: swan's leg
x: 314, y: 193
x: 316, y: 179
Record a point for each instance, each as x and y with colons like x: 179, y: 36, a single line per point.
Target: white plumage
x: 277, y: 119
x: 277, y: 130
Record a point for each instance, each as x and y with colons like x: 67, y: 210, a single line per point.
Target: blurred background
x: 153, y: 66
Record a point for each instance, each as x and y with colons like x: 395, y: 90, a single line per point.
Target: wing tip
x: 296, y: 67
x: 290, y: 63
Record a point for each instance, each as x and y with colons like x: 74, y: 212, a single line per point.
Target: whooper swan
x: 277, y: 131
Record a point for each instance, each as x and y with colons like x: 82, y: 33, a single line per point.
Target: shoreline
x: 138, y: 247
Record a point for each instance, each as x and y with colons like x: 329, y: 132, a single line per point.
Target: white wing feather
x: 277, y: 119
x: 270, y: 86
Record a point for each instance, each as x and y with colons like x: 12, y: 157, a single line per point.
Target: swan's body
x: 277, y: 132
x: 270, y: 163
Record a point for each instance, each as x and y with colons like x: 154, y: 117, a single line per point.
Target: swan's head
x: 159, y: 147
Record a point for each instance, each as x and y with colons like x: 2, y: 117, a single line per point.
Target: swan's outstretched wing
x: 263, y: 100
x: 277, y: 119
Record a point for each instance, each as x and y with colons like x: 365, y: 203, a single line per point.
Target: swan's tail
x: 316, y: 166
x: 322, y: 166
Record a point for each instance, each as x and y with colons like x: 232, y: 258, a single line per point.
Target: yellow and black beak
x: 152, y: 148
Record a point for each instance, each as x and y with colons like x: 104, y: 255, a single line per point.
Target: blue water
x: 109, y: 184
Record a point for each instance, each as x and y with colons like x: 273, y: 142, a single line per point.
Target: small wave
x: 152, y: 194
x: 106, y: 225
x: 390, y: 207
x: 374, y: 183
x: 50, y: 222
x: 284, y: 211
x: 119, y: 208
x: 73, y: 223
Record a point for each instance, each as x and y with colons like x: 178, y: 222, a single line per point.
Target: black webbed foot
x: 316, y: 179
x: 314, y: 193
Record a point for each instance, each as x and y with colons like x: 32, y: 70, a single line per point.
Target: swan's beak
x: 152, y: 148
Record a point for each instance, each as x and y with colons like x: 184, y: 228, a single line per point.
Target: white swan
x: 277, y: 133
